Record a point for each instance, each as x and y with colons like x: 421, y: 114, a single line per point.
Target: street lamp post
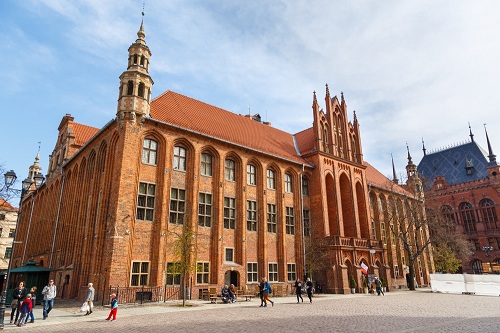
x: 10, y: 178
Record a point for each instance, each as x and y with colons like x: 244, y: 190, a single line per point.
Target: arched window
x: 288, y: 183
x: 140, y: 92
x: 179, y: 158
x: 271, y: 179
x: 142, y: 61
x: 468, y: 216
x: 206, y: 165
x: 489, y: 214
x: 448, y: 214
x: 135, y: 59
x: 149, y: 149
x: 477, y: 266
x: 305, y: 186
x: 229, y: 169
x: 130, y: 88
x: 251, y: 177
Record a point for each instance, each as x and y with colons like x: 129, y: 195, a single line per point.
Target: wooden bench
x: 213, y: 299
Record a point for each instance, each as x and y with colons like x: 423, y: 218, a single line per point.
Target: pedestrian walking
x: 90, y: 298
x: 378, y: 286
x: 18, y: 296
x: 309, y: 289
x: 26, y: 307
x: 267, y: 290
x: 261, y: 292
x: 33, y: 302
x: 298, y: 290
x: 114, y: 308
x: 49, y: 292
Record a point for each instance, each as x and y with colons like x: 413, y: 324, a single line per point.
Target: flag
x: 364, y: 268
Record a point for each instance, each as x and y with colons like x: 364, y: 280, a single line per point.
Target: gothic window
x: 206, y: 165
x: 489, y: 214
x: 179, y: 158
x: 306, y: 217
x: 468, y: 216
x: 288, y: 183
x: 271, y: 179
x: 130, y: 88
x: 140, y: 92
x: 251, y: 179
x: 149, y: 149
x: 305, y: 186
x: 229, y: 169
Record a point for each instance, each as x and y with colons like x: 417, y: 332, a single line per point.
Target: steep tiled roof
x: 375, y: 178
x: 83, y: 133
x: 305, y: 141
x: 5, y: 205
x: 451, y: 162
x: 194, y: 115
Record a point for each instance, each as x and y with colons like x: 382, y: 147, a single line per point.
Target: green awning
x: 30, y: 267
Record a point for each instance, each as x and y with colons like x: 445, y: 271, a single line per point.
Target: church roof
x: 375, y: 178
x: 452, y: 162
x: 196, y: 116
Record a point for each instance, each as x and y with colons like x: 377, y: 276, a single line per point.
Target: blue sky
x: 410, y: 69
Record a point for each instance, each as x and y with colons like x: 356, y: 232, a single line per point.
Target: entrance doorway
x: 231, y: 277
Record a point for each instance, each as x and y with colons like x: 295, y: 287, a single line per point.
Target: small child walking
x: 26, y: 307
x: 114, y: 308
x: 33, y: 302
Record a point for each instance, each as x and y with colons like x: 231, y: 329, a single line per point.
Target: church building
x: 255, y: 200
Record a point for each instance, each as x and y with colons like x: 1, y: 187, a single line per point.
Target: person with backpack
x: 267, y: 290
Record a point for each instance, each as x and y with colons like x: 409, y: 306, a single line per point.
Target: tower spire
x: 491, y: 156
x: 423, y: 147
x: 395, y: 179
x: 135, y: 83
x: 409, y: 156
x: 470, y: 134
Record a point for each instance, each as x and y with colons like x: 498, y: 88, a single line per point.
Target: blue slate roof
x: 451, y: 164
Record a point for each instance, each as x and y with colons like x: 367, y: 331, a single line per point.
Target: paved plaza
x: 401, y: 311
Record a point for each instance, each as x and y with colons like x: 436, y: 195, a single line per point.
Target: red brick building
x: 464, y: 181
x: 116, y: 198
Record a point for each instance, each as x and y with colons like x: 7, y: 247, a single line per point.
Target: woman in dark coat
x: 18, y: 296
x: 298, y: 290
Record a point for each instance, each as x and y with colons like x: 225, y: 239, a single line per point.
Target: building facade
x: 117, y: 200
x: 463, y: 181
x: 8, y: 220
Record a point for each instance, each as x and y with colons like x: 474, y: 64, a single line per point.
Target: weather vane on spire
x: 143, y: 4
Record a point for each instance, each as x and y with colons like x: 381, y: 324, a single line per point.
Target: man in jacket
x: 49, y: 293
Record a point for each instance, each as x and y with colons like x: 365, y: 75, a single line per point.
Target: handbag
x: 85, y: 307
x: 14, y: 303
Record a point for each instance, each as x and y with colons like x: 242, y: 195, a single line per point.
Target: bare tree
x: 184, y: 248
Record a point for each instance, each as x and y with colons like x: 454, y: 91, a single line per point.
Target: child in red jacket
x: 26, y: 308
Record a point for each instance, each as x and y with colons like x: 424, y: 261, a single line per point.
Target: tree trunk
x: 411, y: 266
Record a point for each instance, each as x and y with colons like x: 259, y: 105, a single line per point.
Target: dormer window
x: 469, y: 167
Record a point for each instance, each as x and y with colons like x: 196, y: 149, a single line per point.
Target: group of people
x: 228, y: 294
x: 299, y: 287
x: 23, y: 303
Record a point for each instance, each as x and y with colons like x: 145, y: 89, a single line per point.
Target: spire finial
x: 470, y: 133
x: 423, y: 147
x: 342, y: 96
x: 327, y: 90
x: 491, y: 156
x: 409, y: 156
x: 395, y: 179
x: 141, y: 34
